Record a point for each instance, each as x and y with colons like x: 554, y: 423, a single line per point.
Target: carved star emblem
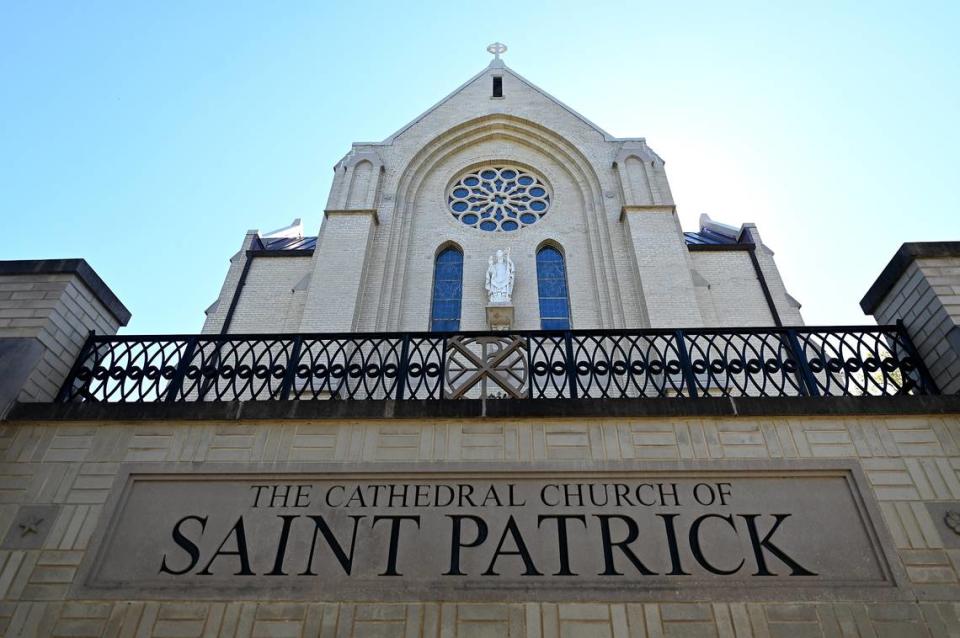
x: 30, y: 525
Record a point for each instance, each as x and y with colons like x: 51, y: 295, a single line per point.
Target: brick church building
x: 500, y: 392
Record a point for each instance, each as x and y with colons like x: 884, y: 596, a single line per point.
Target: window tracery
x: 499, y: 198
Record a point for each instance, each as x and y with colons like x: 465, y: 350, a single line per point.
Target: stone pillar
x: 663, y: 266
x: 921, y: 287
x: 47, y: 309
x: 662, y: 262
x: 339, y: 265
x: 343, y: 244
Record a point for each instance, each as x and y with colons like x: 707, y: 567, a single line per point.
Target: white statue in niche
x: 500, y: 277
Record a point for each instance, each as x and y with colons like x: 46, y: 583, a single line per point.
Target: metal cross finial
x: 496, y: 49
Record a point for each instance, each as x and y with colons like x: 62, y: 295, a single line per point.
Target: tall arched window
x: 552, y: 289
x: 447, y: 290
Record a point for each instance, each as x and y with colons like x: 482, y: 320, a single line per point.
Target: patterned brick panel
x: 908, y: 461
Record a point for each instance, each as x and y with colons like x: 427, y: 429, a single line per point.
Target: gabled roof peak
x: 498, y: 65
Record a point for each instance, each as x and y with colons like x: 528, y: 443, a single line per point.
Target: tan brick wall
x: 432, y: 226
x: 733, y: 295
x: 787, y: 307
x: 338, y: 269
x: 584, y: 219
x: 268, y: 301
x: 909, y: 461
x: 453, y: 620
x: 927, y: 299
x: 621, y: 274
x: 664, y: 268
x: 58, y: 310
x: 616, y: 274
x: 217, y: 313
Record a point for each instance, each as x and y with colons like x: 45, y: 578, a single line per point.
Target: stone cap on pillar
x: 920, y: 288
x: 897, y: 266
x: 48, y: 307
x: 78, y: 267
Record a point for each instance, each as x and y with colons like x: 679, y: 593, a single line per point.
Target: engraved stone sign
x: 605, y: 532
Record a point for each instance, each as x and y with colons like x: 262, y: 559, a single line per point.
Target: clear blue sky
x: 148, y: 136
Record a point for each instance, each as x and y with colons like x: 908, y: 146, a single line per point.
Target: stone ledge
x: 78, y: 267
x: 901, y: 260
x: 355, y: 212
x: 287, y: 252
x: 708, y: 248
x: 493, y: 409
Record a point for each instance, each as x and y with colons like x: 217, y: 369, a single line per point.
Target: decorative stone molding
x: 653, y: 208
x: 357, y: 211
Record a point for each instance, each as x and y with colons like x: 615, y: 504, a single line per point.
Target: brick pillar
x: 47, y: 309
x: 339, y: 265
x: 663, y: 265
x: 921, y: 287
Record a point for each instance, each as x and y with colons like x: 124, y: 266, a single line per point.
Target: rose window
x: 498, y: 198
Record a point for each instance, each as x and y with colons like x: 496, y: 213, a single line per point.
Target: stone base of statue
x: 500, y: 315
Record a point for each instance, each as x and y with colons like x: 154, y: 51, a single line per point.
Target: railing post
x: 291, y: 372
x: 529, y: 345
x: 67, y: 388
x: 926, y: 381
x: 685, y: 366
x: 402, y: 367
x: 808, y: 383
x: 176, y: 383
x: 571, y: 365
x: 206, y: 384
x: 443, y: 367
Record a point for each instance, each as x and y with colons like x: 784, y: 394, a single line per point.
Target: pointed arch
x: 553, y: 292
x: 502, y: 128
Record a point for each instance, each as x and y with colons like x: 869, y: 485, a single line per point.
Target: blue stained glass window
x: 552, y: 290
x: 447, y: 291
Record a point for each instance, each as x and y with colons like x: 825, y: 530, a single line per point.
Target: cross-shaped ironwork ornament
x: 496, y: 49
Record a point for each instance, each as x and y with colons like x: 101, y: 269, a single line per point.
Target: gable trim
x: 502, y: 68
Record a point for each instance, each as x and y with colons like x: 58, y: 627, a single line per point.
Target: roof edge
x: 505, y: 69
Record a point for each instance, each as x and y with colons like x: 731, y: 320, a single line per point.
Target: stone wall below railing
x: 65, y: 474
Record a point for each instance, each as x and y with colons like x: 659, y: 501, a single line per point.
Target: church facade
x: 500, y: 393
x: 500, y: 164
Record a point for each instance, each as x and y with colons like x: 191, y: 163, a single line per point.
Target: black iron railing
x: 710, y: 362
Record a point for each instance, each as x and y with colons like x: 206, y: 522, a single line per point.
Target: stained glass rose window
x: 498, y: 198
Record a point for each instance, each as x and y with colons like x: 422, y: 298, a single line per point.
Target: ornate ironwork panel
x: 850, y: 362
x: 356, y: 367
x: 125, y: 370
x: 235, y: 369
x: 549, y: 373
x: 424, y: 367
x: 757, y: 363
x: 627, y: 366
x: 602, y: 364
